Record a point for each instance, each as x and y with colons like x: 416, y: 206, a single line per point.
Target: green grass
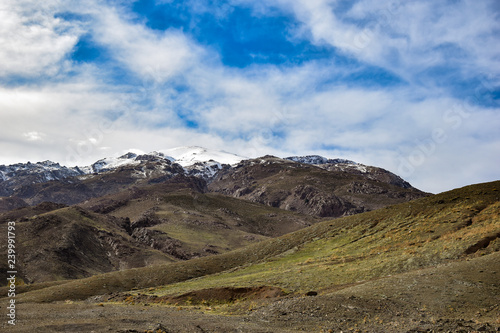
x: 391, y: 241
x: 196, y: 237
x: 327, y: 255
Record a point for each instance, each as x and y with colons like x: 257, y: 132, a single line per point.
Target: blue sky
x: 411, y: 86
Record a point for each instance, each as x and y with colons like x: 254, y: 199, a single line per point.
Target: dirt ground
x: 461, y: 296
x: 330, y: 313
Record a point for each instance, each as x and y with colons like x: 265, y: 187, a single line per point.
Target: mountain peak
x: 190, y: 155
x: 128, y: 155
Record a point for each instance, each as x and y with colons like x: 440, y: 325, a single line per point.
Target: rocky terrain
x: 322, y: 187
x: 330, y: 189
x: 139, y: 210
x: 428, y: 265
x: 144, y: 226
x: 189, y: 243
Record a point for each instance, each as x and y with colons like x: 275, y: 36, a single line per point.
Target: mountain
x: 34, y: 183
x: 313, y: 185
x: 201, y: 162
x: 118, y: 210
x: 139, y: 227
x: 334, y: 188
x: 342, y: 165
x: 431, y: 264
x: 195, y: 160
x: 145, y: 170
x: 15, y: 176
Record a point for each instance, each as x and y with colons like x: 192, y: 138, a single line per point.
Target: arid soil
x: 432, y: 265
x: 314, y: 314
x: 462, y: 296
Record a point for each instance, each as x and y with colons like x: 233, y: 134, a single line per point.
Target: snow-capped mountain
x: 195, y: 161
x: 36, y: 172
x: 45, y: 171
x: 190, y: 161
x: 112, y: 163
x: 188, y: 156
x: 202, y: 162
x: 216, y: 171
x: 20, y: 174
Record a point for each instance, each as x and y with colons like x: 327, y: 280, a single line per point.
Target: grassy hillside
x: 328, y: 256
x: 213, y: 211
x: 136, y: 228
x: 422, y: 233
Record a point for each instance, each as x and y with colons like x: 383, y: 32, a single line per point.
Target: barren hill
x: 428, y: 264
x: 326, y: 190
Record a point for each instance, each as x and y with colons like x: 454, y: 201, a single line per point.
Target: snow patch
x: 361, y: 168
x: 188, y: 156
x: 111, y: 163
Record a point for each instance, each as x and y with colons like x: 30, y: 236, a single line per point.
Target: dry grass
x: 422, y: 233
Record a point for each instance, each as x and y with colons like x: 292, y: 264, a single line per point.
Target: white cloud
x: 403, y: 37
x: 258, y: 110
x: 34, y: 136
x: 157, y: 56
x: 38, y: 122
x: 32, y: 41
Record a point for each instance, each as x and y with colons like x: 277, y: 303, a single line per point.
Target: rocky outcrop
x: 327, y: 188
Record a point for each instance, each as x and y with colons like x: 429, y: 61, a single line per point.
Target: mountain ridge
x: 254, y: 240
x: 31, y: 184
x: 187, y: 156
x: 331, y: 189
x: 147, y: 200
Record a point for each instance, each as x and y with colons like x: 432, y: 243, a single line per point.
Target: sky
x: 410, y: 86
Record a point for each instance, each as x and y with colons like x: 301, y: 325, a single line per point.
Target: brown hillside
x: 325, y: 191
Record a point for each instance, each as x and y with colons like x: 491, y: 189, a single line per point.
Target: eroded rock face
x: 307, y: 198
x: 160, y: 241
x: 330, y: 189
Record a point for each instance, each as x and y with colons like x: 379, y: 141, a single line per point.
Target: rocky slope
x: 321, y: 187
x: 428, y: 265
x: 138, y: 227
x: 318, y: 187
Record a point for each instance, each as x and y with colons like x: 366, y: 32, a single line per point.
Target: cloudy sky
x: 411, y: 86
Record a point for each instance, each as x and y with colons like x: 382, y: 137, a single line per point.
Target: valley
x: 262, y: 245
